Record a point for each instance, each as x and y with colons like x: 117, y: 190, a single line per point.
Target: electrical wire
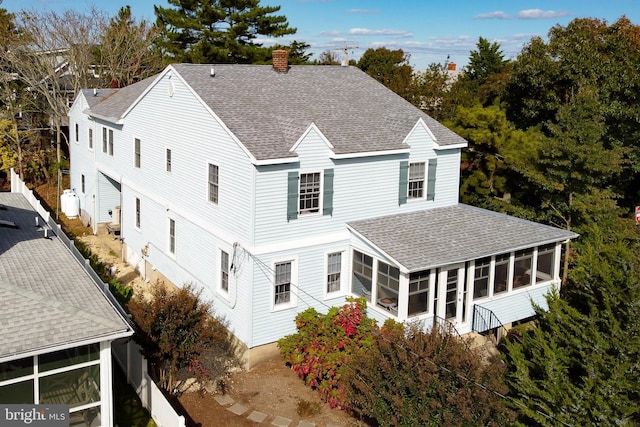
x: 264, y: 268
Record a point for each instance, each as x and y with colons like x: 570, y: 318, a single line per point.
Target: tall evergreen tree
x: 222, y: 31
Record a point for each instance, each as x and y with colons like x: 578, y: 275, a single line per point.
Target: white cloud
x: 523, y: 14
x: 381, y: 32
x: 332, y: 33
x: 364, y: 11
x: 541, y: 14
x: 498, y: 14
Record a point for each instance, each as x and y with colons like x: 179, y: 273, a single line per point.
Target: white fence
x: 125, y: 351
x: 133, y: 364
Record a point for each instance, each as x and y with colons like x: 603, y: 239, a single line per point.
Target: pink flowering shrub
x: 324, y: 343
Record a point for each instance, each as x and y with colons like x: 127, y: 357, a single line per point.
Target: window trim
x: 110, y: 142
x: 167, y: 160
x: 213, y: 187
x: 293, y: 282
x: 104, y: 139
x: 90, y: 139
x: 138, y: 208
x: 171, y: 237
x: 342, y: 274
x: 137, y: 153
x: 421, y: 180
x: 314, y: 211
x: 77, y: 135
x: 223, y: 273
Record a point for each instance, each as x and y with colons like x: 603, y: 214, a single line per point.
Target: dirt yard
x: 270, y: 388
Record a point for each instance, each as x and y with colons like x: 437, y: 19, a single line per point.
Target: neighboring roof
x: 95, y: 96
x: 440, y: 236
x: 269, y: 111
x: 47, y: 299
x: 116, y: 101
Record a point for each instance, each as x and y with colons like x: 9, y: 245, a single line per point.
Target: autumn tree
x: 181, y: 336
x: 410, y: 377
x: 391, y: 68
x: 222, y: 31
x: 53, y: 59
x: 126, y: 50
x: 328, y: 57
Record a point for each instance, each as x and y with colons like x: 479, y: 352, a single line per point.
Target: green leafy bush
x: 324, y: 343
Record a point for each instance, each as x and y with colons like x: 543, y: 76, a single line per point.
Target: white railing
x: 134, y: 365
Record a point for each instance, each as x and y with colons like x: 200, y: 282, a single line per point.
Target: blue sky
x: 428, y: 30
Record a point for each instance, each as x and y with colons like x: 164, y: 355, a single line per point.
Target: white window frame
x: 138, y: 210
x: 311, y: 211
x: 137, y: 153
x: 104, y: 139
x: 213, y: 186
x: 224, y: 274
x: 293, y: 285
x: 111, y: 142
x: 90, y: 139
x: 171, y: 237
x: 417, y: 181
x: 342, y: 272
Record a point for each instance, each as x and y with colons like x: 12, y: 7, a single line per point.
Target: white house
x: 287, y: 187
x: 57, y: 321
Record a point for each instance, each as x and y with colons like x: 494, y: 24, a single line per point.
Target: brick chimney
x: 281, y: 60
x: 451, y: 66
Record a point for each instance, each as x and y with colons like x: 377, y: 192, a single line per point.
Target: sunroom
x: 462, y: 265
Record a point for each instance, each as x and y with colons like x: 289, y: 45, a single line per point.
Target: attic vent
x: 212, y: 72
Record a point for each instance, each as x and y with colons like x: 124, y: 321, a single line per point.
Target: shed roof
x: 269, y: 111
x: 447, y: 235
x: 47, y: 299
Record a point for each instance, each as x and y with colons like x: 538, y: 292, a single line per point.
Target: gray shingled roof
x: 46, y: 297
x: 117, y: 101
x: 100, y: 95
x: 269, y: 111
x: 440, y: 236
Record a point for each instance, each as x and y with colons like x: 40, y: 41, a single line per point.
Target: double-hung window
x: 172, y: 236
x: 388, y: 287
x: 90, y: 139
x: 104, y: 140
x: 111, y: 142
x: 416, y: 180
x: 481, y: 277
x: 224, y: 271
x: 282, y: 291
x: 334, y: 269
x: 168, y: 160
x: 419, y: 292
x: 137, y: 212
x: 213, y: 183
x: 82, y: 183
x: 136, y: 152
x: 362, y: 268
x: 309, y: 193
x: 77, y: 133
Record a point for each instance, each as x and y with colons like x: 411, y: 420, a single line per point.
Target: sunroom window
x: 501, y: 273
x: 481, y: 278
x: 419, y: 292
x: 388, y: 286
x: 545, y: 264
x: 522, y: 268
x: 362, y: 274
